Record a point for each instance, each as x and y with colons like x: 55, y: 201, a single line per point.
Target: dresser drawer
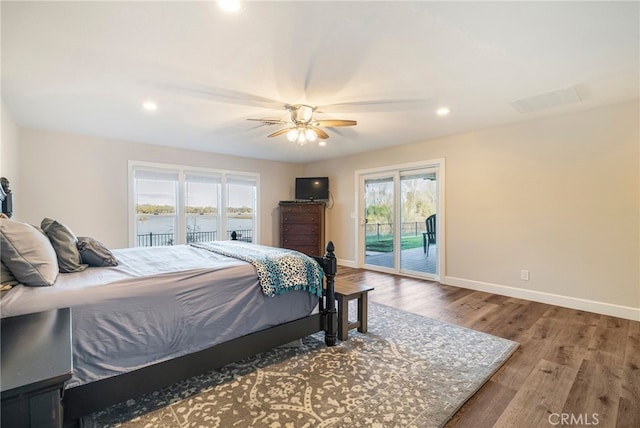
x: 289, y: 218
x: 288, y: 240
x: 300, y: 229
x: 301, y: 209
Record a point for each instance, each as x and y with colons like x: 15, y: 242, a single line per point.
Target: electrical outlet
x: 524, y: 275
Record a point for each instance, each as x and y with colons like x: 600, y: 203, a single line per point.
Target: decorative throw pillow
x: 6, y: 277
x: 64, y: 243
x: 27, y: 253
x: 94, y: 253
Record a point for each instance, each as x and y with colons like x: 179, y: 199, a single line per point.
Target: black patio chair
x: 429, y: 237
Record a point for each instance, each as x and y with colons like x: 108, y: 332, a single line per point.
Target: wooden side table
x: 345, y: 293
x: 36, y: 361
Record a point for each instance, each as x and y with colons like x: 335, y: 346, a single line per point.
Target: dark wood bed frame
x: 88, y: 398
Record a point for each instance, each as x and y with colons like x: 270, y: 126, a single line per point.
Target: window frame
x: 182, y: 171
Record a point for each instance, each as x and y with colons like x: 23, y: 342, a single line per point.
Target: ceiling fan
x: 302, y: 128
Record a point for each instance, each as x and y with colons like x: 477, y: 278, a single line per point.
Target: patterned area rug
x: 407, y: 371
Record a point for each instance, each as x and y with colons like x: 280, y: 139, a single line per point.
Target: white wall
x: 82, y: 182
x: 558, y: 197
x: 10, y: 154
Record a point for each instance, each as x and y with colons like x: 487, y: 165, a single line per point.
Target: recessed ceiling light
x: 443, y: 111
x: 229, y: 6
x: 150, y: 106
x: 322, y: 143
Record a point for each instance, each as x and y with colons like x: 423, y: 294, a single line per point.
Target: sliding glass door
x: 400, y: 227
x: 418, y: 206
x: 379, y: 219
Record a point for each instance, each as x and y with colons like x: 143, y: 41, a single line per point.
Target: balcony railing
x: 245, y: 235
x: 384, y: 230
x: 201, y: 236
x: 155, y: 239
x: 158, y: 239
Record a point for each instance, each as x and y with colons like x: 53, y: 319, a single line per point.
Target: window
x: 202, y: 201
x: 241, y: 202
x: 176, y: 205
x: 155, y: 196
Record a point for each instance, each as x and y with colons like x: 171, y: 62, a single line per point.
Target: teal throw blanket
x: 279, y: 270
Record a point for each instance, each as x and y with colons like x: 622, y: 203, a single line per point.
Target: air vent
x: 547, y: 100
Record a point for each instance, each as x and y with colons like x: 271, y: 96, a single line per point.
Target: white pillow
x: 28, y: 253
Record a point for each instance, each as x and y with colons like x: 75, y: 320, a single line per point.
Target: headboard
x: 6, y: 196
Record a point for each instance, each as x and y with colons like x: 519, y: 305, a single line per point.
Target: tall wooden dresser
x: 302, y: 227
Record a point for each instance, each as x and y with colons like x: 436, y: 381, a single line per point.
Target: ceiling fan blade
x: 221, y: 95
x: 335, y: 122
x: 380, y: 105
x: 272, y: 121
x: 376, y: 102
x: 320, y: 133
x: 280, y: 132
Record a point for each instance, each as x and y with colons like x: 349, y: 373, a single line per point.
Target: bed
x: 163, y: 314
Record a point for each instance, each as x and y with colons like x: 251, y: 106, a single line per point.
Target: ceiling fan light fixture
x: 292, y: 135
x: 302, y: 139
x: 302, y: 129
x: 310, y: 135
x: 301, y: 135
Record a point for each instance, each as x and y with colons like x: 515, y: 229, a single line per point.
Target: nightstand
x: 344, y: 293
x: 36, y: 361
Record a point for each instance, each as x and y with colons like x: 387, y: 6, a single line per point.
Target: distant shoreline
x: 166, y: 223
x: 145, y: 217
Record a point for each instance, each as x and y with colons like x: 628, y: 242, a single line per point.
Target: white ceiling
x: 86, y: 67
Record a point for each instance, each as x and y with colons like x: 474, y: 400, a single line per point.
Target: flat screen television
x: 312, y: 188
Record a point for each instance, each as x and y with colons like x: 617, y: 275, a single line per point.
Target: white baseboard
x: 347, y: 263
x: 626, y: 312
x: 611, y: 309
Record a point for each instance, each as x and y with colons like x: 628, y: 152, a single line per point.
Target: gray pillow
x: 27, y: 253
x: 6, y: 277
x: 64, y: 243
x: 94, y: 252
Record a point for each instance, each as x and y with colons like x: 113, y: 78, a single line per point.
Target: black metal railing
x: 201, y: 236
x: 245, y: 235
x: 382, y: 230
x: 157, y: 239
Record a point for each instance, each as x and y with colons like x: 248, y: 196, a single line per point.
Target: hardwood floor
x: 572, y: 368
